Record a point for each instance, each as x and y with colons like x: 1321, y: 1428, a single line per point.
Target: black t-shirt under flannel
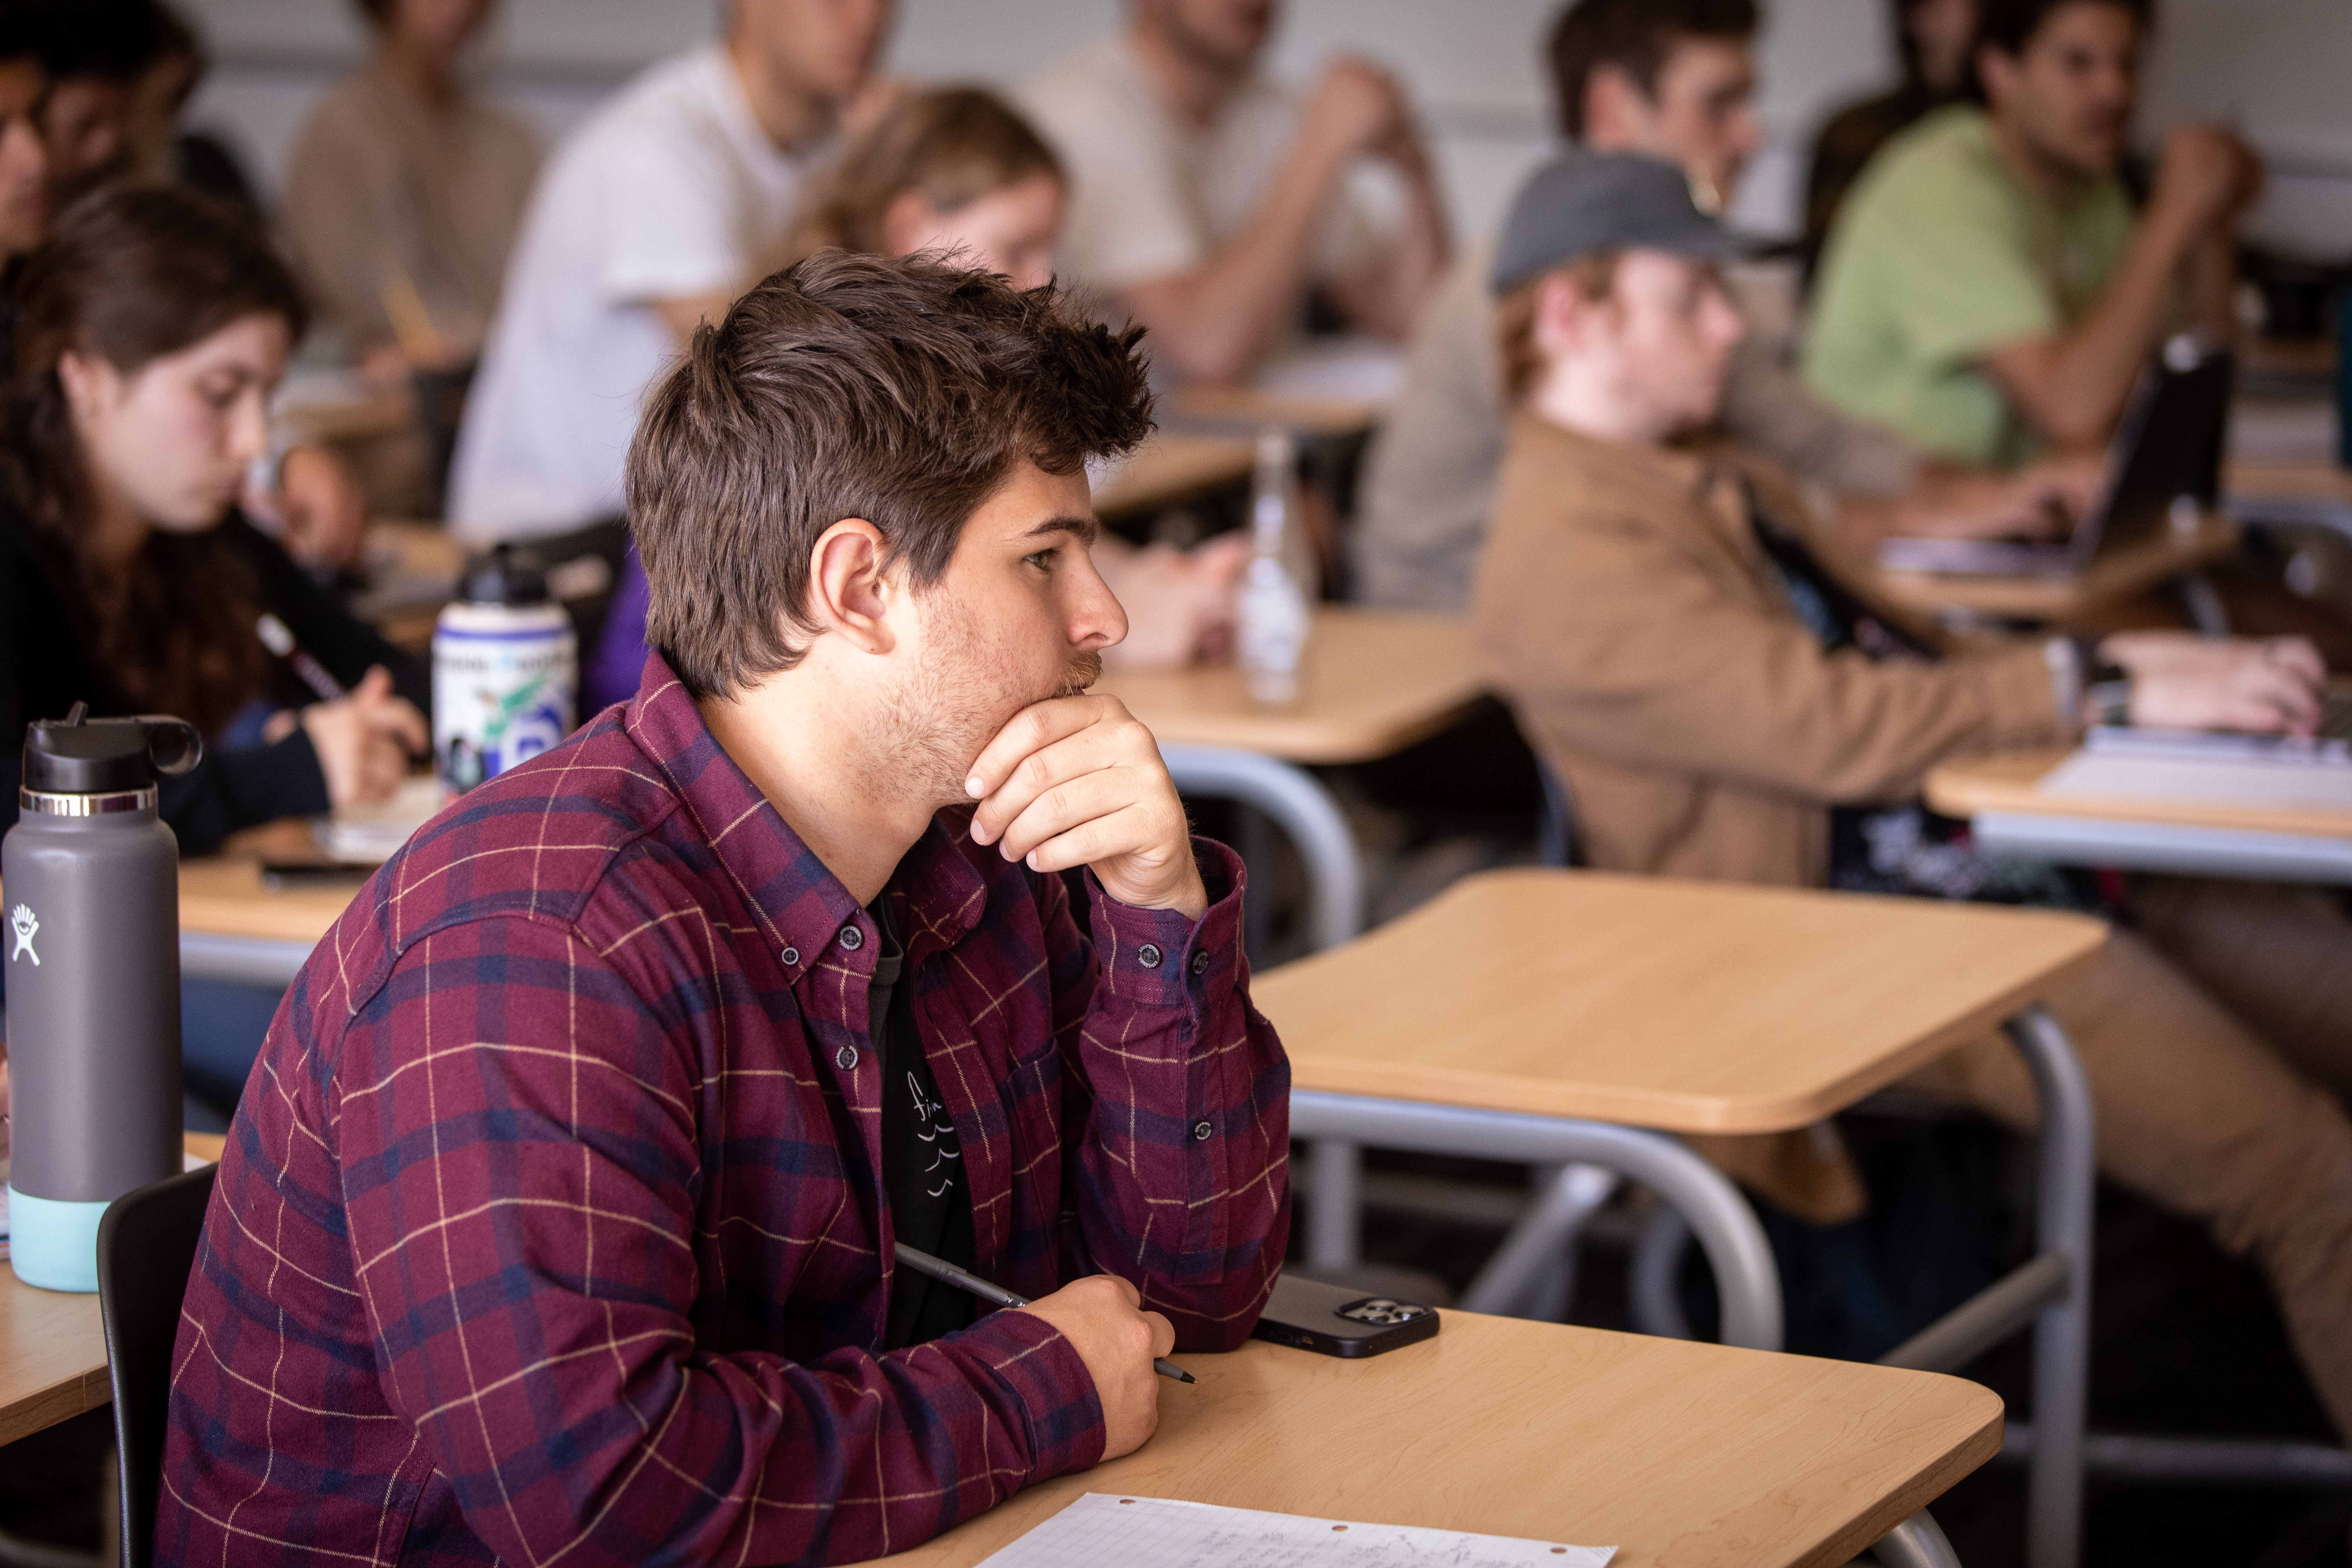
x: 922, y: 1168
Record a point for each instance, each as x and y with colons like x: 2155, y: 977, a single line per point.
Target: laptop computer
x: 2163, y: 473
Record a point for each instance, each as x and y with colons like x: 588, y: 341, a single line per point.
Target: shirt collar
x: 804, y: 909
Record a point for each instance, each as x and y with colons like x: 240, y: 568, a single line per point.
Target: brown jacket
x: 1628, y: 613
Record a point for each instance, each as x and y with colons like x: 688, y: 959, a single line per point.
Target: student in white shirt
x: 655, y: 213
x: 1206, y: 200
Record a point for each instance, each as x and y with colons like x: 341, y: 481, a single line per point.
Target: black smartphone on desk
x: 1341, y: 1320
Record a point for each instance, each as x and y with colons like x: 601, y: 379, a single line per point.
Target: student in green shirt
x: 1988, y: 291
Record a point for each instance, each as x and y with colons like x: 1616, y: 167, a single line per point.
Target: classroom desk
x: 53, y: 1347
x: 232, y: 928
x: 2119, y: 578
x: 1374, y: 683
x: 1173, y: 465
x: 1575, y: 1019
x: 1245, y: 406
x: 1674, y: 1453
x: 2008, y: 815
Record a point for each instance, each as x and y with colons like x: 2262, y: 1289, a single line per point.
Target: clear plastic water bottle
x: 1273, y: 614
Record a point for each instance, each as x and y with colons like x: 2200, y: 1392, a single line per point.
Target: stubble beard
x: 936, y: 725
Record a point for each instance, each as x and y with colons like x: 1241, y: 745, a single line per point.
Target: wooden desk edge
x: 1678, y: 1113
x: 2142, y: 568
x: 1931, y: 1481
x: 2009, y: 783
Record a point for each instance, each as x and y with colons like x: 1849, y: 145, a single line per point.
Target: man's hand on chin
x: 1077, y: 781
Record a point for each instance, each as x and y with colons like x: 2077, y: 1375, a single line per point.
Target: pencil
x: 939, y: 1269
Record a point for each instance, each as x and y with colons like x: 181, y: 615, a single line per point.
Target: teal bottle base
x: 53, y: 1243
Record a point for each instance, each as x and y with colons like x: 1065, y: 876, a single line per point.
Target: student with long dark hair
x: 150, y: 332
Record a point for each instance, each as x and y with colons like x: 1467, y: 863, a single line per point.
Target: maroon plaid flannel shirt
x: 552, y: 1226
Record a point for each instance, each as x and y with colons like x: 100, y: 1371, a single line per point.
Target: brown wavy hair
x: 953, y: 144
x: 899, y: 391
x: 134, y: 273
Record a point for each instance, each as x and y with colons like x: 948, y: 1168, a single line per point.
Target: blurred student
x: 1987, y: 291
x: 161, y: 147
x: 663, y: 207
x: 954, y: 173
x: 1207, y: 201
x: 24, y: 189
x: 1932, y: 38
x: 1722, y: 701
x: 405, y: 190
x: 109, y: 65
x: 151, y: 331
x: 1675, y: 80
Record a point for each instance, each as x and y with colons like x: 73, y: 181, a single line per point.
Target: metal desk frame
x: 2051, y: 1292
x: 2132, y: 845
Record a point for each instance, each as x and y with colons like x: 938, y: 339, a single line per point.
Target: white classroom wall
x: 2279, y: 69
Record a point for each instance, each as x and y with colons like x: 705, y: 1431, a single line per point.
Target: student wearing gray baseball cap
x: 1683, y: 639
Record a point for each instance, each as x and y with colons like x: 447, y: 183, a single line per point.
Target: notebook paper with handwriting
x: 1159, y: 1532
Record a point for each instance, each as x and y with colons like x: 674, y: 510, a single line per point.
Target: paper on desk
x: 371, y: 835
x: 2249, y: 783
x: 1158, y: 1532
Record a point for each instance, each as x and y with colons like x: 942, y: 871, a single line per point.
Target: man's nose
x: 1097, y: 620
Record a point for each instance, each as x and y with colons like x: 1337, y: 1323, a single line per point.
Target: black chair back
x: 146, y: 1245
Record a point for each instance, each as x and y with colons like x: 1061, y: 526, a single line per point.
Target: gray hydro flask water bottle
x: 90, y: 878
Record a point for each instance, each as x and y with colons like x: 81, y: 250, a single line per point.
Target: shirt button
x: 852, y: 938
x: 1200, y: 964
x: 1200, y: 1131
x: 1147, y: 956
x: 791, y: 955
x: 846, y: 1059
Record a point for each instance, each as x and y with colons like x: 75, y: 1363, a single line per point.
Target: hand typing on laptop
x: 2039, y: 502
x: 2179, y: 680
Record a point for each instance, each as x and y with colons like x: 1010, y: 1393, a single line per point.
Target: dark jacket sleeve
x: 346, y: 645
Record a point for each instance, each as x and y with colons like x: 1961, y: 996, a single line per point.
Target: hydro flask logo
x: 25, y: 924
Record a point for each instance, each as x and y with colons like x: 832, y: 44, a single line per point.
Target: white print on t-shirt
x: 933, y: 1126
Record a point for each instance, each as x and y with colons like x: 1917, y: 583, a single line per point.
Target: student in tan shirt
x: 1682, y: 646
x: 405, y: 192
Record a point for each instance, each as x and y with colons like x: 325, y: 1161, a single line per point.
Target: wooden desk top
x: 1672, y: 1452
x: 1689, y: 1006
x: 1375, y: 682
x: 53, y: 1348
x: 1173, y: 465
x: 2123, y: 576
x: 1250, y: 406
x: 2265, y: 480
x: 222, y: 895
x: 2009, y: 783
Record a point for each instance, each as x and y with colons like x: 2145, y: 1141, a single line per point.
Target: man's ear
x: 1565, y: 316
x: 1616, y: 110
x: 850, y: 590
x: 1998, y: 72
x: 906, y: 221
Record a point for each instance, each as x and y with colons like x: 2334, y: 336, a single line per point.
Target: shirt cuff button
x: 1199, y: 963
x: 791, y: 956
x: 852, y: 938
x: 1148, y: 956
x: 846, y: 1059
x: 1200, y: 1131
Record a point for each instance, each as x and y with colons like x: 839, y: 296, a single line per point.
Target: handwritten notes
x: 1158, y: 1532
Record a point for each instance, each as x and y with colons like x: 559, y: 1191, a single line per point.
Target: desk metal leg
x: 1304, y: 809
x: 2062, y: 1333
x: 1917, y: 1542
x: 1745, y: 1275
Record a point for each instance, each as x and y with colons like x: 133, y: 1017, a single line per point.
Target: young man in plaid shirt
x: 557, y: 1221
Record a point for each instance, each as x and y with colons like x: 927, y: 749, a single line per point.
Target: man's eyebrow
x: 1087, y: 529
